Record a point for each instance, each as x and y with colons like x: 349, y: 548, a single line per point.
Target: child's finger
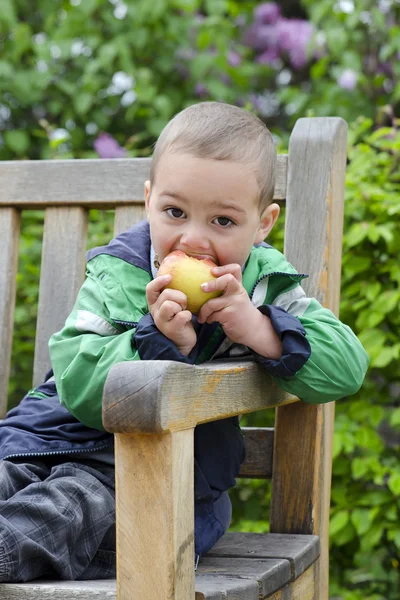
x: 227, y: 284
x: 233, y: 268
x: 210, y: 307
x: 181, y: 318
x: 168, y: 310
x: 154, y: 288
x: 174, y: 295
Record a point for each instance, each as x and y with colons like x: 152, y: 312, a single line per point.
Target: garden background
x: 100, y: 78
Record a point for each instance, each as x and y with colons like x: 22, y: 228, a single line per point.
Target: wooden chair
x: 153, y: 407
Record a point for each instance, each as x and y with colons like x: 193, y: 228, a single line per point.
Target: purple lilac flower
x: 234, y: 58
x: 200, y: 90
x: 260, y: 37
x: 288, y: 36
x: 107, y: 147
x: 347, y: 79
x: 269, y: 57
x: 267, y: 13
x: 293, y: 37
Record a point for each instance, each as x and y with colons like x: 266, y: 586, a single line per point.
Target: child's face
x: 206, y: 208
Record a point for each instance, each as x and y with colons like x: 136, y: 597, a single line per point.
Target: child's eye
x: 224, y: 222
x: 175, y: 213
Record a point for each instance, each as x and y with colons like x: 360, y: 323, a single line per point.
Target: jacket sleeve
x: 322, y: 359
x: 89, y: 344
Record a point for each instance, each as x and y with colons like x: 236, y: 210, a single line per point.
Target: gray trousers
x: 57, y: 520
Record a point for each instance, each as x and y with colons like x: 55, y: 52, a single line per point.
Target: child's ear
x: 147, y: 191
x: 267, y: 221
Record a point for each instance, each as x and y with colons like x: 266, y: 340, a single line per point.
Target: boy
x: 210, y: 195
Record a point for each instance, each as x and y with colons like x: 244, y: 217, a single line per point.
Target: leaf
x: 385, y: 357
x: 359, y: 467
x: 7, y: 13
x: 394, y: 483
x: 386, y: 302
x: 17, y: 140
x: 338, y: 521
x: 361, y: 519
x: 83, y: 102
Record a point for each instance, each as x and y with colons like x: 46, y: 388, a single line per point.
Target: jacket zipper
x: 56, y: 452
x: 297, y: 275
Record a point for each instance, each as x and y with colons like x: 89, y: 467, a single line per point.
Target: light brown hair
x: 222, y: 132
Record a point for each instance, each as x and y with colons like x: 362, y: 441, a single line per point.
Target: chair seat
x: 246, y: 566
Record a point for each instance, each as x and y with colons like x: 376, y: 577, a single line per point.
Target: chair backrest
x: 311, y: 180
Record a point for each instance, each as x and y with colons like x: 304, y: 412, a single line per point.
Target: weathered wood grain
x: 155, y: 516
x: 304, y: 588
x: 270, y: 574
x: 61, y: 275
x: 300, y: 550
x: 59, y: 590
x: 225, y: 588
x: 92, y: 183
x: 160, y: 396
x: 127, y: 216
x: 9, y: 238
x: 303, y: 433
x: 259, y: 444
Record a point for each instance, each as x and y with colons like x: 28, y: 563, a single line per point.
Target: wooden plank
x: 92, y: 183
x: 208, y: 587
x: 259, y: 443
x: 155, y: 516
x: 59, y: 590
x: 300, y: 550
x: 62, y: 273
x: 160, y: 396
x: 225, y: 588
x: 9, y: 238
x: 127, y: 216
x: 303, y: 433
x: 270, y: 574
x: 304, y: 588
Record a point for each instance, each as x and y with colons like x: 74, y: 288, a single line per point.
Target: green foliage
x: 356, y: 69
x: 366, y: 470
x: 365, y: 509
x: 70, y: 69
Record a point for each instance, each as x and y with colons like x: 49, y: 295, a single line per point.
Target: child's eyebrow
x: 227, y: 206
x: 222, y: 205
x: 174, y: 195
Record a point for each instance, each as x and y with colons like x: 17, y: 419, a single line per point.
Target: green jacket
x: 322, y: 358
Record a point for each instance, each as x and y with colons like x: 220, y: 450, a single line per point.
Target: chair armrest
x: 162, y: 396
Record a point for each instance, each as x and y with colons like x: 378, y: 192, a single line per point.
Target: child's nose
x: 195, y: 238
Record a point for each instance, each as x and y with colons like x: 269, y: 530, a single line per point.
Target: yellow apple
x: 188, y: 273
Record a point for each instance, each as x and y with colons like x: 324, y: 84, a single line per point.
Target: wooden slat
x: 270, y: 574
x: 154, y: 486
x: 62, y: 273
x: 300, y: 550
x: 9, y: 238
x: 304, y: 588
x: 93, y: 183
x: 259, y: 443
x: 314, y: 221
x: 127, y: 216
x: 226, y: 588
x: 59, y: 590
x: 160, y: 396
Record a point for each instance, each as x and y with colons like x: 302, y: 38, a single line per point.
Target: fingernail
x: 204, y: 287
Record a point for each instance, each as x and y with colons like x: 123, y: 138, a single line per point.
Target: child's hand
x: 168, y: 309
x: 239, y: 318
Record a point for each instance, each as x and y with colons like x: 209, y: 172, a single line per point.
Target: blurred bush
x: 100, y: 78
x: 365, y: 509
